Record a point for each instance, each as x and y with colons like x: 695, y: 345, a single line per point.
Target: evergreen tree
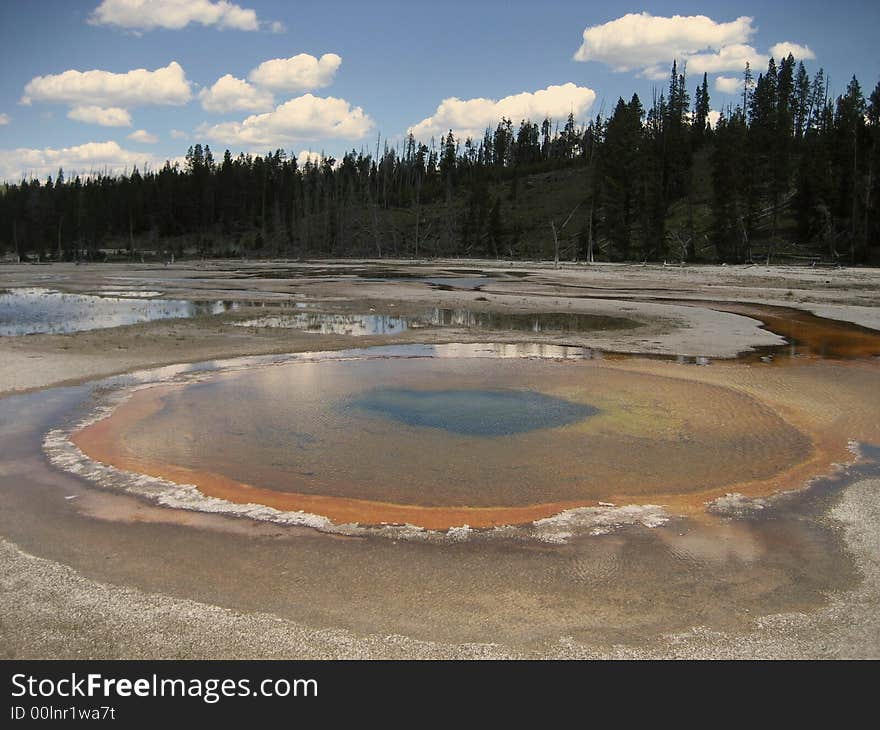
x: 729, y: 202
x: 871, y: 226
x: 618, y: 167
x: 849, y: 162
x: 700, y: 128
x: 800, y: 102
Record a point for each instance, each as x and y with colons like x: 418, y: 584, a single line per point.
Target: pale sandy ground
x: 47, y: 609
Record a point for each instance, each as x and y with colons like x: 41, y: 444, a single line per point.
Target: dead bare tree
x: 590, y: 257
x: 683, y: 244
x: 557, y: 232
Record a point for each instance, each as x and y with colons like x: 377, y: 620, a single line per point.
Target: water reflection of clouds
x: 356, y: 325
x: 515, y: 350
x: 359, y: 325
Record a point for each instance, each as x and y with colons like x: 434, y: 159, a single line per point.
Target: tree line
x: 786, y: 172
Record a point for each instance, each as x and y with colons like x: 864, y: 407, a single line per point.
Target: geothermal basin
x: 436, y: 494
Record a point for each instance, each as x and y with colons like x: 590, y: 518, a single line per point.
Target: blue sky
x: 394, y: 64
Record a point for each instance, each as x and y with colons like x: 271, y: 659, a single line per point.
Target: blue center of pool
x: 474, y: 412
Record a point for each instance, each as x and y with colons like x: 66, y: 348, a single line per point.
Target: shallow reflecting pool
x: 34, y: 310
x: 388, y: 324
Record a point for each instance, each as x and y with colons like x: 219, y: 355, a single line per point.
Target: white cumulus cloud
x: 649, y: 44
x: 781, y: 50
x: 112, y: 116
x: 297, y: 73
x: 143, y: 15
x: 4, y: 119
x: 471, y: 117
x: 138, y: 87
x: 728, y: 58
x: 728, y: 84
x: 303, y: 118
x: 230, y: 94
x: 641, y: 41
x: 143, y: 136
x: 84, y: 159
x: 178, y: 134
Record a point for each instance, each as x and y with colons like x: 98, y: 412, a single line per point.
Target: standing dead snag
x: 683, y: 243
x: 556, y: 234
